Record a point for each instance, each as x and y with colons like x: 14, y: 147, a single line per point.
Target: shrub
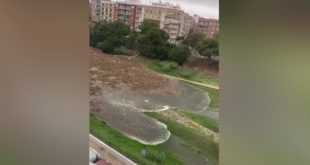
x: 179, y: 54
x: 167, y: 66
x: 155, y: 155
x: 122, y: 50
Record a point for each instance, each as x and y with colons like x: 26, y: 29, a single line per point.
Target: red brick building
x: 208, y: 27
x: 125, y: 12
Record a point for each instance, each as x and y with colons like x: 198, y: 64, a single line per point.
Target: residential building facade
x: 107, y: 10
x: 95, y: 10
x: 125, y: 12
x: 208, y: 27
x: 151, y: 12
x: 187, y: 25
x: 171, y: 18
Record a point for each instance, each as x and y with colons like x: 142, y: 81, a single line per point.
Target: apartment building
x: 139, y: 17
x: 107, y: 10
x: 208, y: 27
x: 172, y: 23
x: 95, y: 10
x: 150, y: 12
x: 187, y: 25
x: 170, y: 17
x: 125, y: 12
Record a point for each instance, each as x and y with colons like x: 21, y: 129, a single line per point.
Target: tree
x: 179, y: 38
x: 153, y: 42
x: 147, y: 24
x: 193, y: 39
x: 109, y: 35
x: 209, y: 47
x: 132, y: 40
x: 96, y: 33
x: 179, y: 54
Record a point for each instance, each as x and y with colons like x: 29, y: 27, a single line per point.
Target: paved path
x: 193, y: 82
x: 108, y: 153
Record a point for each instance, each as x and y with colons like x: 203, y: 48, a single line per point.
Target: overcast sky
x: 204, y: 8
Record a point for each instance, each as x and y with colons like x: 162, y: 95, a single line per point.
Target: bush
x: 155, y: 155
x: 122, y: 50
x: 167, y: 66
x: 100, y: 45
x: 179, y: 54
x: 106, y: 46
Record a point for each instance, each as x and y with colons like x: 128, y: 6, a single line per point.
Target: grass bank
x: 171, y: 68
x: 198, y: 141
x: 156, y: 155
x: 203, y: 120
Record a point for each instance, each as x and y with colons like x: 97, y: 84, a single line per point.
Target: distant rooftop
x: 155, y: 4
x: 167, y: 4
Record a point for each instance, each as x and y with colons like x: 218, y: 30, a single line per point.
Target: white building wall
x: 107, y: 10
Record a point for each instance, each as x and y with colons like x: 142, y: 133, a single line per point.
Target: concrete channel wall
x: 112, y: 151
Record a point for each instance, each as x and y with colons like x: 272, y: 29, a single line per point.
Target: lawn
x: 198, y: 141
x: 171, y: 68
x: 131, y: 148
x: 203, y: 120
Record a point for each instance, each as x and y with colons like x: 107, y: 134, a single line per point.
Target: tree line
x: 208, y: 47
x: 150, y: 41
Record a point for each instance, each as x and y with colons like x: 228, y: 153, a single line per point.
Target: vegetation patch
x: 123, y: 50
x: 151, y: 41
x: 198, y: 141
x: 132, y: 149
x: 172, y: 68
x: 203, y: 120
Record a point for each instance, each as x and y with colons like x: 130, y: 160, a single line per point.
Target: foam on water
x: 154, y: 142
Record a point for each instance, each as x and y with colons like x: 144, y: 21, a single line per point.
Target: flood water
x: 122, y: 109
x: 210, y: 112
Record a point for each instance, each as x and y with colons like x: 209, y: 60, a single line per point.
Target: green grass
x: 171, y: 68
x: 203, y: 120
x: 198, y: 141
x: 131, y: 148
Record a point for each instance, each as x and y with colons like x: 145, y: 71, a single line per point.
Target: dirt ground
x: 116, y: 72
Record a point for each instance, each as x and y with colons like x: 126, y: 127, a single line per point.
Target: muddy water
x: 190, y: 99
x: 123, y: 109
x: 210, y: 112
x: 133, y: 124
